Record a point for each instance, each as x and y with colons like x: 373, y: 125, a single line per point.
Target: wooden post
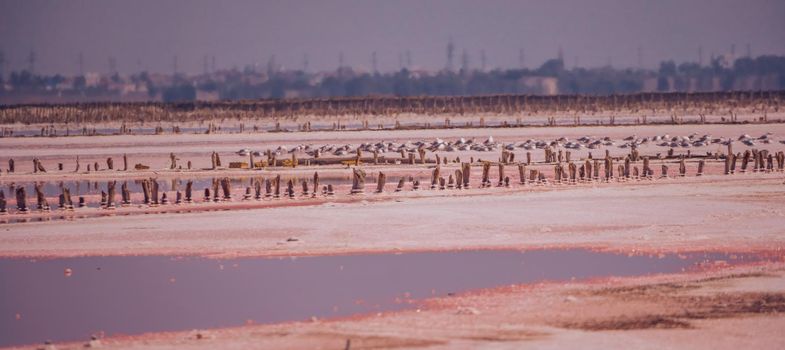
x: 573, y: 169
x: 268, y: 188
x: 501, y: 174
x: 486, y: 169
x: 682, y: 167
x: 727, y: 164
x: 522, y: 174
x: 315, y: 183
x: 21, y: 200
x: 401, y: 183
x: 466, y: 169
x: 154, y: 188
x: 257, y: 188
x: 626, y: 167
x: 380, y: 181
x: 146, y: 191
x: 110, y: 190
x: 435, y: 176
x: 189, y: 191
x: 42, y: 204
x: 745, y: 161
x: 290, y: 188
x: 277, y: 192
x: 358, y: 181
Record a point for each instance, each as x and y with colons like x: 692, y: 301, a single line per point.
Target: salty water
x: 130, y: 295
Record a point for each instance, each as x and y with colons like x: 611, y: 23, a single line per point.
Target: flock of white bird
x: 489, y: 144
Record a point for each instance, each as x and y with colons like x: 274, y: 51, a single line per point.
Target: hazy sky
x: 147, y: 34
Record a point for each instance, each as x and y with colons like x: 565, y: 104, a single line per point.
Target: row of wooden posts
x: 563, y: 173
x: 412, y: 158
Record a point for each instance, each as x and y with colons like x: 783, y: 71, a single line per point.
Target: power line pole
x: 521, y: 59
x: 374, y: 62
x: 205, y: 67
x: 31, y: 61
x: 450, y: 54
x: 465, y: 61
x: 749, y: 51
x: 483, y: 60
x: 2, y: 64
x: 408, y: 59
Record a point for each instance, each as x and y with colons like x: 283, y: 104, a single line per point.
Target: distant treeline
x: 742, y: 74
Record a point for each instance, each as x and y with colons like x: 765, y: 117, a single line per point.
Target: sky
x: 149, y: 34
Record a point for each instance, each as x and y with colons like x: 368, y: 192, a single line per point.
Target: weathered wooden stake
x: 21, y: 200
x: 306, y: 191
x: 380, y: 181
x: 466, y: 169
x: 277, y: 184
x: 189, y: 191
x: 330, y: 190
x: 315, y: 183
x: 682, y: 167
x: 486, y: 169
x: 40, y: 198
x: 358, y: 181
x: 290, y: 188
x: 110, y: 194
x: 3, y: 203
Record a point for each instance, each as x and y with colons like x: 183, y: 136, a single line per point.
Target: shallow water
x: 132, y: 295
x: 87, y: 187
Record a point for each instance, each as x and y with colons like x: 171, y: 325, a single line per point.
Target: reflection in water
x: 131, y: 295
